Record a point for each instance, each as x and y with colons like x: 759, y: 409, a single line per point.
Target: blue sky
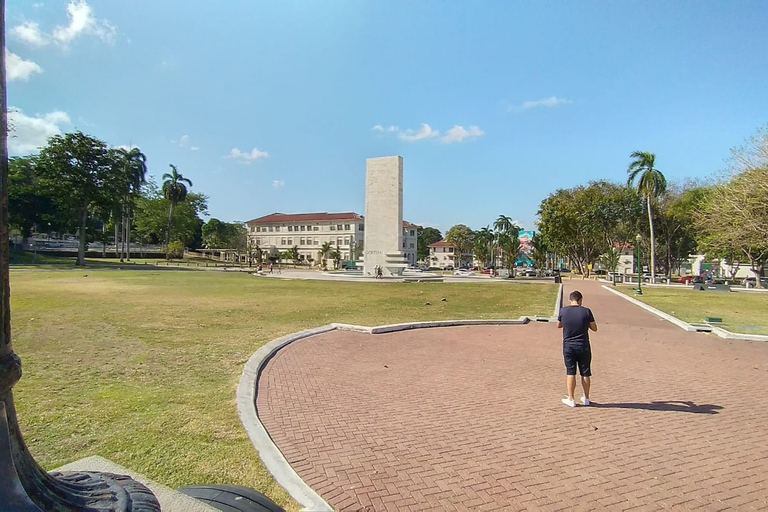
x: 274, y: 106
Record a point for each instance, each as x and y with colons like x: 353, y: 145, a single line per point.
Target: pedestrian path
x: 469, y: 418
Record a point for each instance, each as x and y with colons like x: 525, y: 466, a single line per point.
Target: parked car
x: 565, y: 270
x: 691, y: 280
x: 659, y: 279
x: 529, y: 273
x: 463, y: 272
x: 448, y: 267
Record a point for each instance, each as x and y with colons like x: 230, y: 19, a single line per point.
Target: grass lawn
x: 741, y: 312
x: 141, y: 367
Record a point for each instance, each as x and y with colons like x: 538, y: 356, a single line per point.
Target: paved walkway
x: 469, y: 418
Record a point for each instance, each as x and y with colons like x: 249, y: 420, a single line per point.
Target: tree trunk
x: 653, y: 242
x: 128, y: 236
x: 117, y: 238
x: 170, y: 219
x: 122, y: 237
x: 81, y: 244
x: 104, y: 240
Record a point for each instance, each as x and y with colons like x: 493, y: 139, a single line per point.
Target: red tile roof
x: 441, y: 243
x: 315, y: 217
x: 306, y: 217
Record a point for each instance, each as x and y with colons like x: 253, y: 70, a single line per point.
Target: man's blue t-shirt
x: 576, y: 320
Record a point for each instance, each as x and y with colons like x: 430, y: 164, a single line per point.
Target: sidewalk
x: 469, y: 418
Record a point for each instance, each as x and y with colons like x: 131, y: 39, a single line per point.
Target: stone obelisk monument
x: 383, y: 241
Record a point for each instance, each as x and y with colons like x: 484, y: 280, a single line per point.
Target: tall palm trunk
x: 653, y: 241
x: 170, y: 219
x: 128, y: 236
x: 117, y: 238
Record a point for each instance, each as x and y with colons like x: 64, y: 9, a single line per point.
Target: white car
x: 463, y: 272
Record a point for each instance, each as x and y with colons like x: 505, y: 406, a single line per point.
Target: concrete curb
x: 719, y: 331
x: 558, y: 303
x: 247, y: 392
x: 270, y: 454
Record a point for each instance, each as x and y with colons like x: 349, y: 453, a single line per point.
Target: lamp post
x: 639, y: 291
x: 24, y: 485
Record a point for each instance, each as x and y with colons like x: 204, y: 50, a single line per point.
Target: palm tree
x: 324, y: 250
x: 651, y: 183
x: 507, y: 233
x: 175, y: 191
x: 134, y: 167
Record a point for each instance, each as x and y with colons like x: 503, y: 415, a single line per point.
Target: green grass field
x: 742, y: 312
x: 142, y: 367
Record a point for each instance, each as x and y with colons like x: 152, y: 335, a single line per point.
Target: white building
x: 442, y: 254
x: 279, y: 232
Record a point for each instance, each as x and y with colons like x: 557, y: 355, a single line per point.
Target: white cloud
x: 381, y: 129
x: 552, y: 101
x: 460, y: 134
x: 247, y: 158
x: 278, y: 184
x: 425, y: 132
x: 185, y: 142
x: 28, y: 134
x: 18, y: 68
x: 30, y: 33
x: 82, y: 22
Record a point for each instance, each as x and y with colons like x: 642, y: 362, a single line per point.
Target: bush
x: 175, y: 249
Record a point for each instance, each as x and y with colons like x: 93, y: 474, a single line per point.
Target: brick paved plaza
x: 469, y: 418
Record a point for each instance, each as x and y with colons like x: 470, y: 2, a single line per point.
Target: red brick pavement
x: 469, y: 418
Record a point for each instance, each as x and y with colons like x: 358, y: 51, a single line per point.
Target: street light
x: 639, y: 291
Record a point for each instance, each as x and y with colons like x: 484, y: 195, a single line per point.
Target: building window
x: 411, y: 245
x: 271, y: 229
x: 316, y: 228
x: 301, y: 241
x: 290, y: 228
x: 333, y: 228
x: 346, y: 227
x: 346, y: 240
x: 290, y: 241
x: 338, y: 227
x: 283, y: 241
x: 413, y: 233
x: 361, y: 227
x: 317, y: 241
x: 403, y: 245
x: 338, y: 242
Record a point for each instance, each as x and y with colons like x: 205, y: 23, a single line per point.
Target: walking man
x: 576, y: 321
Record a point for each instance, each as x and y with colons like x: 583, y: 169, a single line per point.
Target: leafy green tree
x: 610, y: 260
x: 651, y: 183
x: 28, y: 205
x: 675, y: 218
x: 216, y: 234
x: 151, y: 217
x: 77, y: 170
x: 323, y: 253
x: 539, y: 252
x: 175, y: 191
x: 174, y: 250
x: 336, y: 257
x: 293, y: 254
x: 734, y: 220
x: 132, y: 164
x: 507, y: 239
x: 485, y: 245
x: 426, y: 237
x: 462, y: 239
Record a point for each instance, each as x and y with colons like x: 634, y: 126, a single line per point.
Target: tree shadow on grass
x: 665, y: 405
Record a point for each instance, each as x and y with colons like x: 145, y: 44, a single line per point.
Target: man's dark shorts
x: 577, y: 355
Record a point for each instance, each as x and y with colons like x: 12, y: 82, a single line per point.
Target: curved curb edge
x: 247, y: 391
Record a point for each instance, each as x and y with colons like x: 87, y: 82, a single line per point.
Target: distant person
x: 576, y: 321
x: 270, y: 268
x: 380, y: 273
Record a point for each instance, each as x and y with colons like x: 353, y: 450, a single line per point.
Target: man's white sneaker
x: 584, y: 400
x: 569, y: 402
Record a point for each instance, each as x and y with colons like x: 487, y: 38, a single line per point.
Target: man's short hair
x: 575, y: 296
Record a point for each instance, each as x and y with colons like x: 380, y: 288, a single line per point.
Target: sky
x: 275, y: 106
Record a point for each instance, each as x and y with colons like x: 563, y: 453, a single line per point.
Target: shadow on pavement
x: 668, y: 405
